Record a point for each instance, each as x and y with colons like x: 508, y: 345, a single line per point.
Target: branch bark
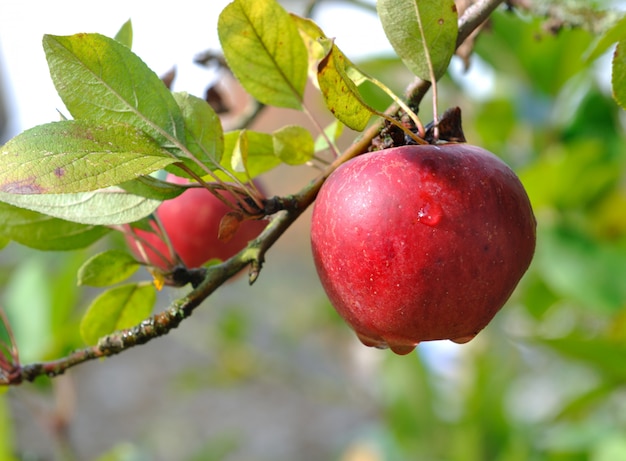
x: 253, y: 256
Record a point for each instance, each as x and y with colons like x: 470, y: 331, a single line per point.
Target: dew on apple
x: 429, y: 214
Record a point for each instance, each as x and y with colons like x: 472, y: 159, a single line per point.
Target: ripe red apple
x: 420, y: 243
x: 192, y: 222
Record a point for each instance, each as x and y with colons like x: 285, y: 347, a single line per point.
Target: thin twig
x: 253, y: 255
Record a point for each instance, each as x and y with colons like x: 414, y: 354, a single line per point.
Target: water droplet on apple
x: 463, y: 339
x: 429, y: 214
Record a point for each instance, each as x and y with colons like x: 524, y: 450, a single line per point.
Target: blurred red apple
x: 420, y: 243
x: 192, y: 222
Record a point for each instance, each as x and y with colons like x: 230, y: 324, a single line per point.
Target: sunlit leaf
x: 311, y: 34
x: 203, y: 132
x: 77, y: 156
x: 340, y: 92
x: 239, y: 159
x: 115, y: 309
x: 125, y: 34
x: 107, y: 268
x: 404, y: 22
x: 618, y: 76
x: 99, y: 78
x: 110, y: 206
x: 42, y: 232
x: 264, y: 50
x: 260, y: 155
x: 293, y: 144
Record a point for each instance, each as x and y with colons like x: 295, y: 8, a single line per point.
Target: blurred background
x: 270, y: 372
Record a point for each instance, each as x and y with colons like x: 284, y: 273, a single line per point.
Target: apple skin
x: 192, y: 222
x: 420, y: 243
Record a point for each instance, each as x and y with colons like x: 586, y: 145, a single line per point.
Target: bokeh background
x: 270, y: 372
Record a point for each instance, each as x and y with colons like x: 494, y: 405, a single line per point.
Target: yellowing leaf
x: 340, y: 93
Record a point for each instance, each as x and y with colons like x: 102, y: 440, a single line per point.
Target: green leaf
x: 239, y: 159
x: 604, y: 356
x: 125, y: 34
x: 99, y: 78
x: 260, y: 154
x: 107, y: 207
x: 333, y: 132
x: 401, y: 21
x: 116, y: 309
x: 263, y: 48
x: 581, y: 269
x: 153, y: 188
x: 293, y: 144
x: 618, y: 76
x: 77, y: 156
x: 42, y: 232
x: 614, y: 34
x: 203, y: 132
x: 340, y: 92
x: 7, y: 437
x: 28, y: 303
x: 107, y: 268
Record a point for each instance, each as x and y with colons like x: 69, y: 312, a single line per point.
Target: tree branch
x: 253, y: 256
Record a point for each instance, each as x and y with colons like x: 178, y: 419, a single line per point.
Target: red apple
x: 420, y: 243
x: 192, y: 222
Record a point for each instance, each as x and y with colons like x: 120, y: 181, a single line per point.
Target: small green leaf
x: 401, y: 21
x: 618, y: 76
x: 77, y: 156
x: 125, y: 34
x: 340, y: 92
x: 260, y: 154
x: 42, y: 232
x: 264, y: 50
x: 333, y: 132
x: 116, y: 309
x: 107, y: 207
x: 152, y: 188
x: 293, y: 144
x: 107, y: 268
x: 203, y: 132
x: 99, y: 78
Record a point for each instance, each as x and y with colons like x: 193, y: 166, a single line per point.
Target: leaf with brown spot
x: 340, y: 93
